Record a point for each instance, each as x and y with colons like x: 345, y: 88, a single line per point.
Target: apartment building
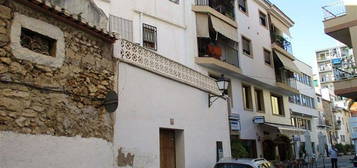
x: 340, y: 23
x: 259, y: 69
x: 333, y: 63
x: 171, y: 112
x: 303, y: 108
x: 242, y: 43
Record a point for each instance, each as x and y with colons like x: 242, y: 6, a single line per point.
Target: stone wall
x: 36, y: 98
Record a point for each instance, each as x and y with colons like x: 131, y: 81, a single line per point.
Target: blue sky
x: 308, y: 32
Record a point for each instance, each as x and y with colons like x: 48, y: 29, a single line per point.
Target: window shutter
x: 122, y: 26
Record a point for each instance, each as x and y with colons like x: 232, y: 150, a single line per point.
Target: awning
x: 287, y: 62
x: 280, y: 25
x: 224, y: 28
x: 285, y: 128
x: 202, y: 25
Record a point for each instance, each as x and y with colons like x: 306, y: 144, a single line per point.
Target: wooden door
x: 167, y: 149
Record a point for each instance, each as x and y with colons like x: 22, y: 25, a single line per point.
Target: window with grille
x: 267, y: 57
x: 149, y: 37
x: 263, y: 19
x: 247, y: 48
x: 37, y: 42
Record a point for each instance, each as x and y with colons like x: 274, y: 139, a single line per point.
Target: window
x: 247, y: 97
x: 263, y: 19
x: 175, y: 1
x: 302, y: 123
x: 37, y: 42
x: 267, y: 57
x: 242, y: 5
x: 277, y: 105
x: 149, y: 37
x: 247, y: 48
x: 259, y: 100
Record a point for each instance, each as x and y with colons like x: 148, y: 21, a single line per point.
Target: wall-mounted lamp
x: 222, y: 84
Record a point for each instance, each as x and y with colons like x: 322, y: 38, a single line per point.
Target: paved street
x: 343, y: 162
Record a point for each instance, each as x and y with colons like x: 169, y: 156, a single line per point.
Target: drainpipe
x: 141, y: 28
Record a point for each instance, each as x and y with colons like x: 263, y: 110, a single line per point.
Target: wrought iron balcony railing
x: 345, y: 71
x: 282, y: 42
x: 225, y: 7
x: 334, y: 10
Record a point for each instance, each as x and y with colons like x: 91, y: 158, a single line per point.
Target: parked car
x: 243, y: 163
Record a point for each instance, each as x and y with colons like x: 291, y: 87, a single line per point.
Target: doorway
x: 167, y: 148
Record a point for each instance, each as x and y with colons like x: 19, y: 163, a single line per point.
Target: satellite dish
x: 111, y: 101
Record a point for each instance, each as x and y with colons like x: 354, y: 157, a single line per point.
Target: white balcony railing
x: 141, y: 57
x: 333, y: 10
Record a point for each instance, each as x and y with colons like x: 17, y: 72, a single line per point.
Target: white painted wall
x: 176, y: 25
x: 45, y: 151
x: 147, y: 102
x: 250, y: 27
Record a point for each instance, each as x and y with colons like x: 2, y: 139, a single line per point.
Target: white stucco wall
x: 147, y: 102
x: 44, y: 151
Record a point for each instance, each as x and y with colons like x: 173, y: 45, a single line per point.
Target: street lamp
x: 222, y: 84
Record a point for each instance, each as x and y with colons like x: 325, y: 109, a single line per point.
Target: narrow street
x: 343, y: 162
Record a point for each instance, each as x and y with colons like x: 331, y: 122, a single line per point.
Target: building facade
x: 333, y: 63
x: 303, y: 108
x: 209, y: 38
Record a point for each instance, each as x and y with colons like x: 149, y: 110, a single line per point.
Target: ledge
x: 281, y: 50
x: 216, y: 64
x: 288, y: 89
x: 346, y: 88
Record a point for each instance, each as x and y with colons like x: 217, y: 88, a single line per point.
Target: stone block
x: 4, y: 39
x: 5, y: 12
x: 17, y: 68
x: 11, y: 104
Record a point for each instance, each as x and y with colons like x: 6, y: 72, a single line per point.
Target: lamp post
x: 222, y: 84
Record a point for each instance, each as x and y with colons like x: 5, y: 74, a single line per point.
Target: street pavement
x: 343, y: 162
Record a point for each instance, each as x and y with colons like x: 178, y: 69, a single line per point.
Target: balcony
x: 338, y: 18
x: 346, y: 80
x: 286, y: 80
x: 334, y: 10
x: 282, y: 43
x: 218, y: 56
x: 225, y: 7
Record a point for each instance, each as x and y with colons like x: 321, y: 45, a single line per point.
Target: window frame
x: 270, y: 57
x: 280, y: 103
x: 259, y: 100
x: 245, y: 7
x: 154, y: 30
x: 247, y: 97
x: 244, y: 38
x: 265, y: 20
